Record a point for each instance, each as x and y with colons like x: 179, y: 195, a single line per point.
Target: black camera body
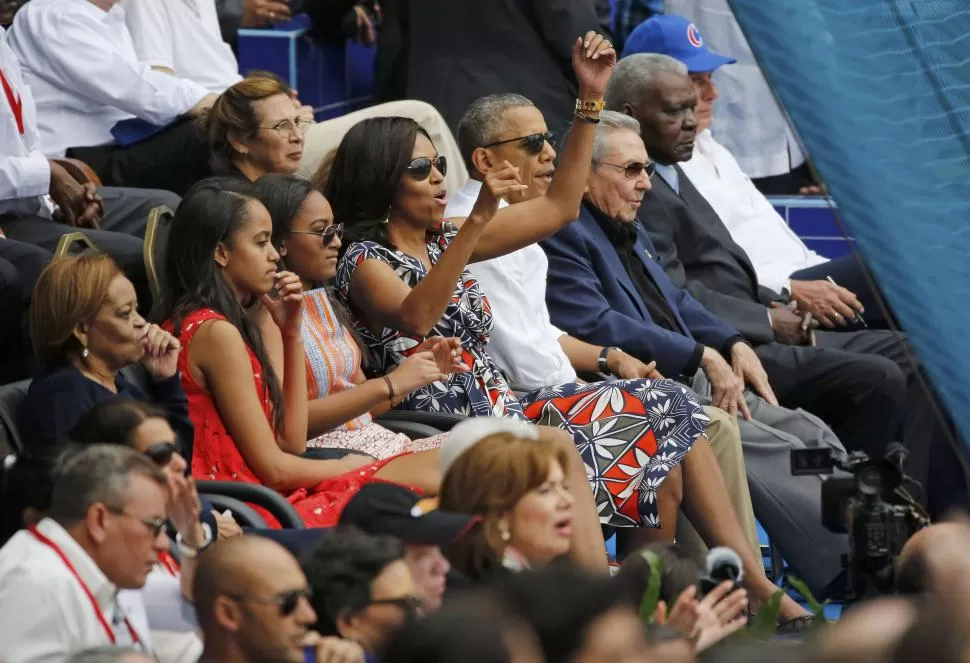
x: 868, y: 501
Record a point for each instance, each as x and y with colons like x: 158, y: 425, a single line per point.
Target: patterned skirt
x: 375, y: 440
x: 630, y: 434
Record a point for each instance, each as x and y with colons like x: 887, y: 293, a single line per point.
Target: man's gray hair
x: 633, y: 77
x: 111, y: 654
x: 98, y: 473
x: 483, y: 120
x: 610, y: 122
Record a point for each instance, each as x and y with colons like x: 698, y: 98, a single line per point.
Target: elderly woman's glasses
x: 291, y: 128
x: 420, y: 168
x: 287, y: 601
x: 532, y: 143
x: 632, y: 170
x: 327, y: 234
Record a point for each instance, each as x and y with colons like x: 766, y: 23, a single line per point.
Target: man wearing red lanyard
x: 59, y: 580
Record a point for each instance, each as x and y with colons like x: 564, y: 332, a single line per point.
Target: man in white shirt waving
x: 59, y: 580
x: 97, y: 102
x: 781, y: 260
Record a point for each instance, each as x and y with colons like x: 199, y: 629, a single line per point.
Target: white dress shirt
x: 25, y: 174
x: 45, y: 614
x: 184, y: 36
x: 747, y: 119
x: 81, y: 66
x: 524, y: 343
x: 773, y: 247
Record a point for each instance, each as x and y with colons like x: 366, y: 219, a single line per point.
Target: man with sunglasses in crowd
x: 252, y: 602
x: 60, y: 579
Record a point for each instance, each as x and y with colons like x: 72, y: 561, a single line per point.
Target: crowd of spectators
x: 382, y: 387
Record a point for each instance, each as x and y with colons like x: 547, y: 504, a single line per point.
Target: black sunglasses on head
x: 327, y: 234
x: 287, y: 601
x: 632, y: 170
x: 420, y: 168
x: 533, y: 143
x: 161, y: 453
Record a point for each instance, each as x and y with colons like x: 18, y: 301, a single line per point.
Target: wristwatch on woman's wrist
x: 191, y: 552
x: 602, y: 363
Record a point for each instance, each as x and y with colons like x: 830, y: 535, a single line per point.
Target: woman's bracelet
x: 390, y: 389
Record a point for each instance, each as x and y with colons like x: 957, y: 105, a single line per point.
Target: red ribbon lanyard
x: 16, y: 103
x: 94, y: 603
x: 169, y: 563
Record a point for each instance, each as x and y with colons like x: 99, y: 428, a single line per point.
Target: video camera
x: 872, y: 504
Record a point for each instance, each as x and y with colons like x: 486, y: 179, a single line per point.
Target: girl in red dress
x: 242, y: 361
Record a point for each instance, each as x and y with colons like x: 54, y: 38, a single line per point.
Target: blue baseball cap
x: 677, y: 37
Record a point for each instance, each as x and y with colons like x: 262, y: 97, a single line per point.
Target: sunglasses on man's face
x: 287, y: 601
x: 632, y: 170
x: 327, y: 234
x: 420, y: 168
x: 533, y: 143
x: 161, y: 453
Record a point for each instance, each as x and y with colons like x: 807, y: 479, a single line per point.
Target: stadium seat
x: 440, y: 421
x: 156, y: 244
x: 248, y: 493
x: 69, y: 242
x: 11, y: 395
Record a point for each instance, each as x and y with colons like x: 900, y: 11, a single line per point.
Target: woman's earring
x: 504, y: 532
x: 386, y: 219
x: 84, y: 353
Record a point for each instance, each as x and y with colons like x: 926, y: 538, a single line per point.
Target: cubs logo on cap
x: 694, y: 36
x: 678, y: 38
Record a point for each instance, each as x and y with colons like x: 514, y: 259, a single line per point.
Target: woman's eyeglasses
x: 328, y: 233
x: 532, y: 143
x: 420, y: 168
x: 290, y: 128
x: 287, y: 601
x: 632, y: 170
x: 161, y: 453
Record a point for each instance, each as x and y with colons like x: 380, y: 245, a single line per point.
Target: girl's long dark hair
x: 212, y: 212
x: 284, y: 197
x: 370, y: 162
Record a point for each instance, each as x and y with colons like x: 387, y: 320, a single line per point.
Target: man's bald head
x: 912, y: 568
x: 238, y: 566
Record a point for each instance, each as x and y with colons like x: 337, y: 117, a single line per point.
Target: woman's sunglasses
x: 532, y: 143
x: 632, y: 170
x: 411, y: 605
x: 327, y: 234
x: 420, y: 168
x: 287, y: 601
x: 161, y: 453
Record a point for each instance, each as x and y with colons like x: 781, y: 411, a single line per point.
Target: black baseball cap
x: 392, y: 510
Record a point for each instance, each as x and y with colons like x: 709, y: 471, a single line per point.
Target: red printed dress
x: 215, y: 455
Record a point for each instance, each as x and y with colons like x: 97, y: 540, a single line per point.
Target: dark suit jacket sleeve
x: 230, y: 19
x: 578, y: 305
x: 706, y: 327
x: 748, y: 317
x: 560, y: 22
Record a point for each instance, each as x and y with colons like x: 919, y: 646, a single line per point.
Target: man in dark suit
x: 605, y: 287
x: 806, y: 368
x: 460, y: 51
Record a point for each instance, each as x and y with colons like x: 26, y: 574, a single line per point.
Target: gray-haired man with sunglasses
x: 252, y: 602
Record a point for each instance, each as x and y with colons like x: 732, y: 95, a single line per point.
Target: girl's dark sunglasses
x: 420, y: 168
x: 632, y: 170
x: 327, y: 234
x: 532, y: 144
x: 161, y: 453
